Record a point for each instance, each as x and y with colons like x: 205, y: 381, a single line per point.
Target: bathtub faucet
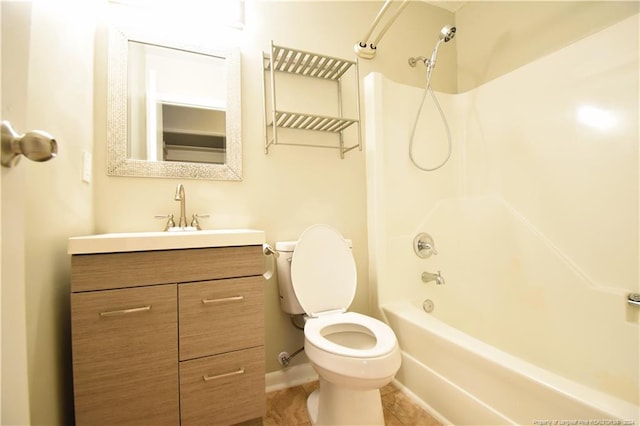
x: 427, y: 277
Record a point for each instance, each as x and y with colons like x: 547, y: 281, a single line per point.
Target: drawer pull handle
x: 224, y: 299
x: 221, y: 376
x: 125, y: 311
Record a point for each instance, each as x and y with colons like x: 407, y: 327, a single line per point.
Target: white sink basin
x: 144, y: 241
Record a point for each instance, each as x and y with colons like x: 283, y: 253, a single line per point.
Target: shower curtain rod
x: 365, y: 48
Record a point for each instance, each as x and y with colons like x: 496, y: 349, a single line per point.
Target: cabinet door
x: 125, y: 360
x: 221, y: 316
x: 223, y: 389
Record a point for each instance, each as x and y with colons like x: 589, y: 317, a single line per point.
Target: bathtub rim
x: 582, y: 394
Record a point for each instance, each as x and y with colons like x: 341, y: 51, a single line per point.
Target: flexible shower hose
x: 415, y: 125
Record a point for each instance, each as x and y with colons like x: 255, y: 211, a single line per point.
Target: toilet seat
x: 314, y: 331
x: 323, y: 271
x: 323, y: 276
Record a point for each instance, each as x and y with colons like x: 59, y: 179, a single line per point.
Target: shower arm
x: 366, y: 49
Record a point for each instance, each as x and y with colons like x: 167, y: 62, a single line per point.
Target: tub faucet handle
x: 424, y: 246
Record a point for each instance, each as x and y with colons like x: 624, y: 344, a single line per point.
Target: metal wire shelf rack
x: 299, y: 62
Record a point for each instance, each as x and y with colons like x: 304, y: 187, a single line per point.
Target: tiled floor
x: 288, y: 407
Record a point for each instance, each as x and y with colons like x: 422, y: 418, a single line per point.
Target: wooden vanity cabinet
x: 171, y: 337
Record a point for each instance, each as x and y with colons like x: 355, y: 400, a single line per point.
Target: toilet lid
x: 323, y: 272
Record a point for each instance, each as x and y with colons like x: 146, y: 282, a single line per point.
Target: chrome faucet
x: 182, y: 224
x: 428, y: 277
x: 180, y: 196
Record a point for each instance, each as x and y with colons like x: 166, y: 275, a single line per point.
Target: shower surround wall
x: 535, y: 217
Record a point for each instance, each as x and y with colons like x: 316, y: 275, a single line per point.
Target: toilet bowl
x: 354, y: 354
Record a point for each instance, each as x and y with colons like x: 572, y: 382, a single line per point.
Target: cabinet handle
x: 125, y: 311
x: 224, y: 299
x: 220, y: 376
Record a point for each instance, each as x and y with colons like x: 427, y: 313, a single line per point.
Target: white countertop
x: 145, y: 241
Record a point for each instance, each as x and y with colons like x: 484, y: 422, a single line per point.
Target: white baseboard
x: 290, y: 376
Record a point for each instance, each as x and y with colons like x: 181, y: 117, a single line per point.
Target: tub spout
x: 428, y: 277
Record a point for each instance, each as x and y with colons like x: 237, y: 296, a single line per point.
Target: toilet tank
x: 288, y: 300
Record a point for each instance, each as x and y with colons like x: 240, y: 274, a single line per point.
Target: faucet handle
x: 194, y: 220
x: 424, y: 246
x: 170, y: 222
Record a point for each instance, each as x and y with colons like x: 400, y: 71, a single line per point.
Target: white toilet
x: 353, y: 354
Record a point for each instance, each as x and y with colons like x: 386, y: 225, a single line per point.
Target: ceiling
x: 451, y: 6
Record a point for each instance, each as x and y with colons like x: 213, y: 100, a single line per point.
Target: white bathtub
x: 462, y: 380
x: 538, y: 248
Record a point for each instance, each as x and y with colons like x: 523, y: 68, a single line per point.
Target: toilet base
x: 312, y: 406
x: 338, y: 405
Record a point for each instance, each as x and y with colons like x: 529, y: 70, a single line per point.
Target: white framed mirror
x: 173, y: 109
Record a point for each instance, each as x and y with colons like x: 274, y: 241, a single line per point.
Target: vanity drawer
x: 220, y: 316
x: 223, y: 389
x: 125, y: 361
x: 133, y: 269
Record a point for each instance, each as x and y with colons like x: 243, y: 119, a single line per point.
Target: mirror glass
x: 174, y: 109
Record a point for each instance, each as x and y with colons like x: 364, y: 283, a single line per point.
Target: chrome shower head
x: 447, y: 33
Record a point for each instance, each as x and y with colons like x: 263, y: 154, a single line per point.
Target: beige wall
x: 291, y: 188
x: 58, y: 203
x: 281, y: 193
x: 495, y: 37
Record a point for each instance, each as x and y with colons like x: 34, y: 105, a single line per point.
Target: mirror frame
x: 118, y: 163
